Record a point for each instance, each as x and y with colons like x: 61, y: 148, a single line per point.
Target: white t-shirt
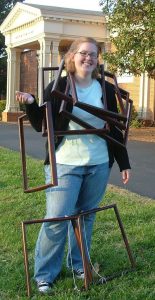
x: 88, y: 149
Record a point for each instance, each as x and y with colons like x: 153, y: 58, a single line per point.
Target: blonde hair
x: 69, y: 63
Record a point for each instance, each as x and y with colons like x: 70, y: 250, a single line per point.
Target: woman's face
x: 85, y: 59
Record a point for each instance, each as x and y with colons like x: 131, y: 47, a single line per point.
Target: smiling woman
x: 84, y: 161
x: 81, y: 60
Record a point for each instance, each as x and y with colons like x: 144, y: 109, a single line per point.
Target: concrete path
x: 142, y: 158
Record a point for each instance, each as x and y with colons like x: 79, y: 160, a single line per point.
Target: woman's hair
x: 69, y: 63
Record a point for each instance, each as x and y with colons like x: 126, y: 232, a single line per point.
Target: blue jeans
x: 79, y: 189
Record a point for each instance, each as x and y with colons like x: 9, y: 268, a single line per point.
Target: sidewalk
x: 144, y: 134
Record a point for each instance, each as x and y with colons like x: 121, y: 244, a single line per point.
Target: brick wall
x: 134, y: 89
x: 29, y: 72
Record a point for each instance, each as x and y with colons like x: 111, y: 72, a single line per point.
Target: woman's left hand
x: 125, y: 176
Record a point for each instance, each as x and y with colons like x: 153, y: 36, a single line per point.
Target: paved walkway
x: 142, y: 157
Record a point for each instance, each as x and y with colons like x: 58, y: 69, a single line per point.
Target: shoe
x: 79, y: 274
x: 43, y: 287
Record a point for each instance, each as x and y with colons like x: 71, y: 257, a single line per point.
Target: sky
x: 79, y: 4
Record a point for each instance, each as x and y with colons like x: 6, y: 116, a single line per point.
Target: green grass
x: 108, y: 251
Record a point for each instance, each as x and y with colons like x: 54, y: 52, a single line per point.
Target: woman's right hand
x: 24, y: 98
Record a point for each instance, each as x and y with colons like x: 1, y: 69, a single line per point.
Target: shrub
x: 2, y: 107
x: 135, y: 122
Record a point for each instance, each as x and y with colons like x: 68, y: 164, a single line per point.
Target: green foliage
x: 108, y: 250
x: 3, y: 75
x: 5, y: 8
x: 131, y: 24
x: 2, y: 107
x: 2, y: 45
x: 135, y: 122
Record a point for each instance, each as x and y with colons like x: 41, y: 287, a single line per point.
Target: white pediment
x: 23, y: 14
x: 20, y: 15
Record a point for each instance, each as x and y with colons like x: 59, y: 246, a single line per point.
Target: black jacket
x: 35, y: 116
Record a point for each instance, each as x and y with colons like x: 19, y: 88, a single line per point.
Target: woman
x: 83, y: 162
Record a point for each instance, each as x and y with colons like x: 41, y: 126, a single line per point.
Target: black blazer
x: 35, y: 116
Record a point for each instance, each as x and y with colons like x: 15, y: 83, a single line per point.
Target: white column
x: 18, y: 61
x: 13, y: 75
x: 144, y: 100
x: 102, y: 45
x: 44, y: 60
x: 106, y: 48
x: 141, y: 96
x: 147, y: 112
x: 55, y: 55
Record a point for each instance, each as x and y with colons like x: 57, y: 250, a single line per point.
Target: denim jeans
x: 79, y: 189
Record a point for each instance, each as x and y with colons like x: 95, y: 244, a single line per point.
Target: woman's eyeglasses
x: 93, y: 55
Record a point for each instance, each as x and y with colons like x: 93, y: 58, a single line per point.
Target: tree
x: 131, y: 25
x: 5, y: 7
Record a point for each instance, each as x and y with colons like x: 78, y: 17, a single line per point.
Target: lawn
x: 108, y: 251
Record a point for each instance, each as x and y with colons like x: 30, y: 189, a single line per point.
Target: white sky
x: 79, y: 4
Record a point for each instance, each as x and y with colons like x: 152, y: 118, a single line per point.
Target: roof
x: 24, y: 13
